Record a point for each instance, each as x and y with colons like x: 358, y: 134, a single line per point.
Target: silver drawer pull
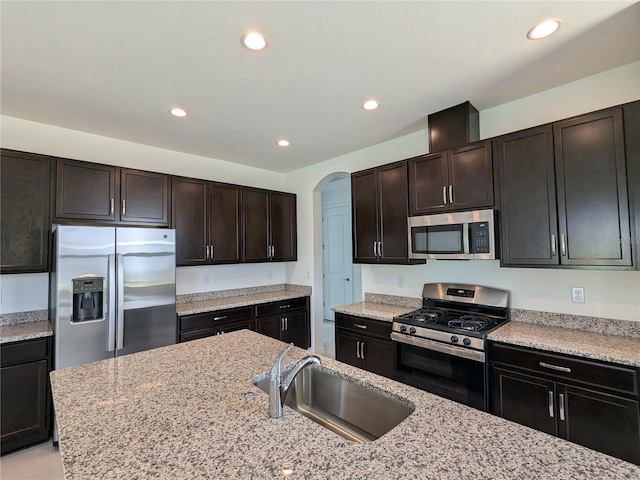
x: 284, y: 306
x: 358, y: 325
x: 555, y: 367
x: 219, y: 318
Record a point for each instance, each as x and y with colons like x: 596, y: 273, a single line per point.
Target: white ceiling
x: 115, y: 68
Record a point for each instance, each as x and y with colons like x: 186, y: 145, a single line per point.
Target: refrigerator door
x: 83, y: 272
x: 146, y: 272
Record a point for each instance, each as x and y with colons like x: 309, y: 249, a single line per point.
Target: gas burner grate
x: 469, y: 322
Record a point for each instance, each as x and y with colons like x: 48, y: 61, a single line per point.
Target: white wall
x: 610, y: 294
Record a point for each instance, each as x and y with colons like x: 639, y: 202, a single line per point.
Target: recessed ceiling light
x: 178, y: 112
x: 283, y: 143
x: 254, y: 41
x: 371, y: 104
x: 544, y: 29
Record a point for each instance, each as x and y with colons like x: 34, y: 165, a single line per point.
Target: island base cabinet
x: 25, y: 401
x: 286, y: 320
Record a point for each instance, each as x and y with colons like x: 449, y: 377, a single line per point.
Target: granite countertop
x: 380, y: 306
x: 15, y: 327
x: 245, y: 297
x: 620, y: 349
x: 191, y: 411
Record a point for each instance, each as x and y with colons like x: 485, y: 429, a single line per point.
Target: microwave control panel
x: 479, y: 237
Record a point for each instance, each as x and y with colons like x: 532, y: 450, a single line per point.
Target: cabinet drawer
x: 615, y: 377
x: 362, y: 325
x: 24, y: 351
x: 274, y: 308
x: 211, y: 319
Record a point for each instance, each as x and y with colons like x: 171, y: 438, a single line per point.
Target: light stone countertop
x: 378, y: 311
x: 190, y: 411
x: 212, y: 305
x: 598, y: 346
x: 18, y: 326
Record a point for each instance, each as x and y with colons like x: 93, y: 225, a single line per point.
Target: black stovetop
x: 452, y: 320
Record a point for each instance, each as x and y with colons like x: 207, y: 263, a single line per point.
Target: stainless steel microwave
x: 453, y: 236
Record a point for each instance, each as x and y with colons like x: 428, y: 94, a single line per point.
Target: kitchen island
x: 191, y: 411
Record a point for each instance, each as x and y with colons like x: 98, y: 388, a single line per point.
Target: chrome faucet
x: 279, y: 388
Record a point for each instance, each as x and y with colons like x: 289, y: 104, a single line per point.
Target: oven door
x: 456, y: 373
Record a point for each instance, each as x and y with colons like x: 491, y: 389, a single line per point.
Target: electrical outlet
x: 577, y: 294
x: 400, y: 282
x: 205, y: 279
x: 270, y: 274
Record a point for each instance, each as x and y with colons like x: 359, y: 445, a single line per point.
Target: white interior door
x: 337, y: 266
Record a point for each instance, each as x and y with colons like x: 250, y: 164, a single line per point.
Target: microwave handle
x: 465, y: 239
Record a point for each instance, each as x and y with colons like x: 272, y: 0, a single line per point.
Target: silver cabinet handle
x: 124, y: 207
x: 219, y: 318
x: 554, y: 367
x: 550, y: 403
x: 451, y: 194
x: 362, y: 350
x: 380, y: 249
x: 345, y: 279
x: 284, y: 306
x: 358, y: 349
x: 359, y: 325
x: 444, y: 194
x: 112, y: 206
x: 561, y: 405
x: 208, y: 253
x: 268, y: 251
x: 286, y: 323
x: 553, y: 245
x: 282, y: 323
x: 563, y: 245
x: 375, y: 251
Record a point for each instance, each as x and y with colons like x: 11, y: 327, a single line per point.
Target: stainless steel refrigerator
x: 113, y: 292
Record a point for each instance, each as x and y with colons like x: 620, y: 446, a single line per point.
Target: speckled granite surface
x: 191, y: 411
x: 378, y: 311
x: 15, y: 327
x: 411, y: 302
x: 598, y: 346
x: 578, y: 322
x: 241, y: 297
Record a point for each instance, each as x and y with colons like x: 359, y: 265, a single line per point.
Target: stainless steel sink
x: 348, y: 407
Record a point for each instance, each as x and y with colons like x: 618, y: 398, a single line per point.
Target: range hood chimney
x: 453, y: 127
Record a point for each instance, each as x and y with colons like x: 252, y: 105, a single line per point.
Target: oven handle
x: 439, y: 347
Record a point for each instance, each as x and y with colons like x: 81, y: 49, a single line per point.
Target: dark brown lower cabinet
x: 593, y: 404
x: 25, y: 403
x: 371, y: 351
x: 286, y: 320
x: 201, y: 325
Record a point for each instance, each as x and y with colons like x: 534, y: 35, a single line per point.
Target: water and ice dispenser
x: 88, y: 299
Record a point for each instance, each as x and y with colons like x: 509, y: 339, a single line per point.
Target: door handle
x: 451, y: 194
x: 362, y: 350
x: 358, y: 349
x: 345, y: 279
x: 124, y: 207
x: 444, y: 194
x: 208, y: 253
x: 211, y: 254
x: 120, y: 302
x: 561, y: 405
x: 550, y: 403
x: 553, y: 245
x: 563, y: 245
x: 286, y: 323
x: 111, y: 305
x: 375, y: 251
x: 112, y: 206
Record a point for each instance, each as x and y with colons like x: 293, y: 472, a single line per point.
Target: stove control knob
x: 466, y: 341
x: 454, y: 339
x: 412, y: 330
x: 403, y: 328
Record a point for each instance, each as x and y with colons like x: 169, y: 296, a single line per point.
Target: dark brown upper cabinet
x: 563, y: 193
x: 269, y: 226
x: 206, y: 216
x: 457, y: 179
x: 379, y: 209
x: 102, y: 193
x: 24, y: 212
x: 591, y: 182
x: 453, y: 127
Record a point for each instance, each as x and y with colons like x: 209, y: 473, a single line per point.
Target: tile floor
x: 42, y: 461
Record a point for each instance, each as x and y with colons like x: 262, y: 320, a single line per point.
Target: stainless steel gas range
x: 441, y: 347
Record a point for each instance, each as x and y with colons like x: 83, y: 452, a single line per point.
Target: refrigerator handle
x: 111, y: 306
x: 120, y: 300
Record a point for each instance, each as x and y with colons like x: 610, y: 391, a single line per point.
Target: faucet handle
x: 275, y: 369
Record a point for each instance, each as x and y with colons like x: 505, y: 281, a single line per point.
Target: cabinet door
x: 144, y: 197
x: 283, y: 226
x: 364, y: 200
x: 297, y: 329
x: 255, y: 220
x: 428, y: 184
x: 593, y: 210
x: 527, y: 197
x: 378, y: 356
x: 85, y: 191
x: 525, y: 399
x: 606, y: 423
x: 393, y: 211
x: 224, y: 223
x: 270, y: 326
x: 348, y: 348
x: 24, y: 212
x: 190, y: 212
x: 471, y: 176
x: 24, y: 412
